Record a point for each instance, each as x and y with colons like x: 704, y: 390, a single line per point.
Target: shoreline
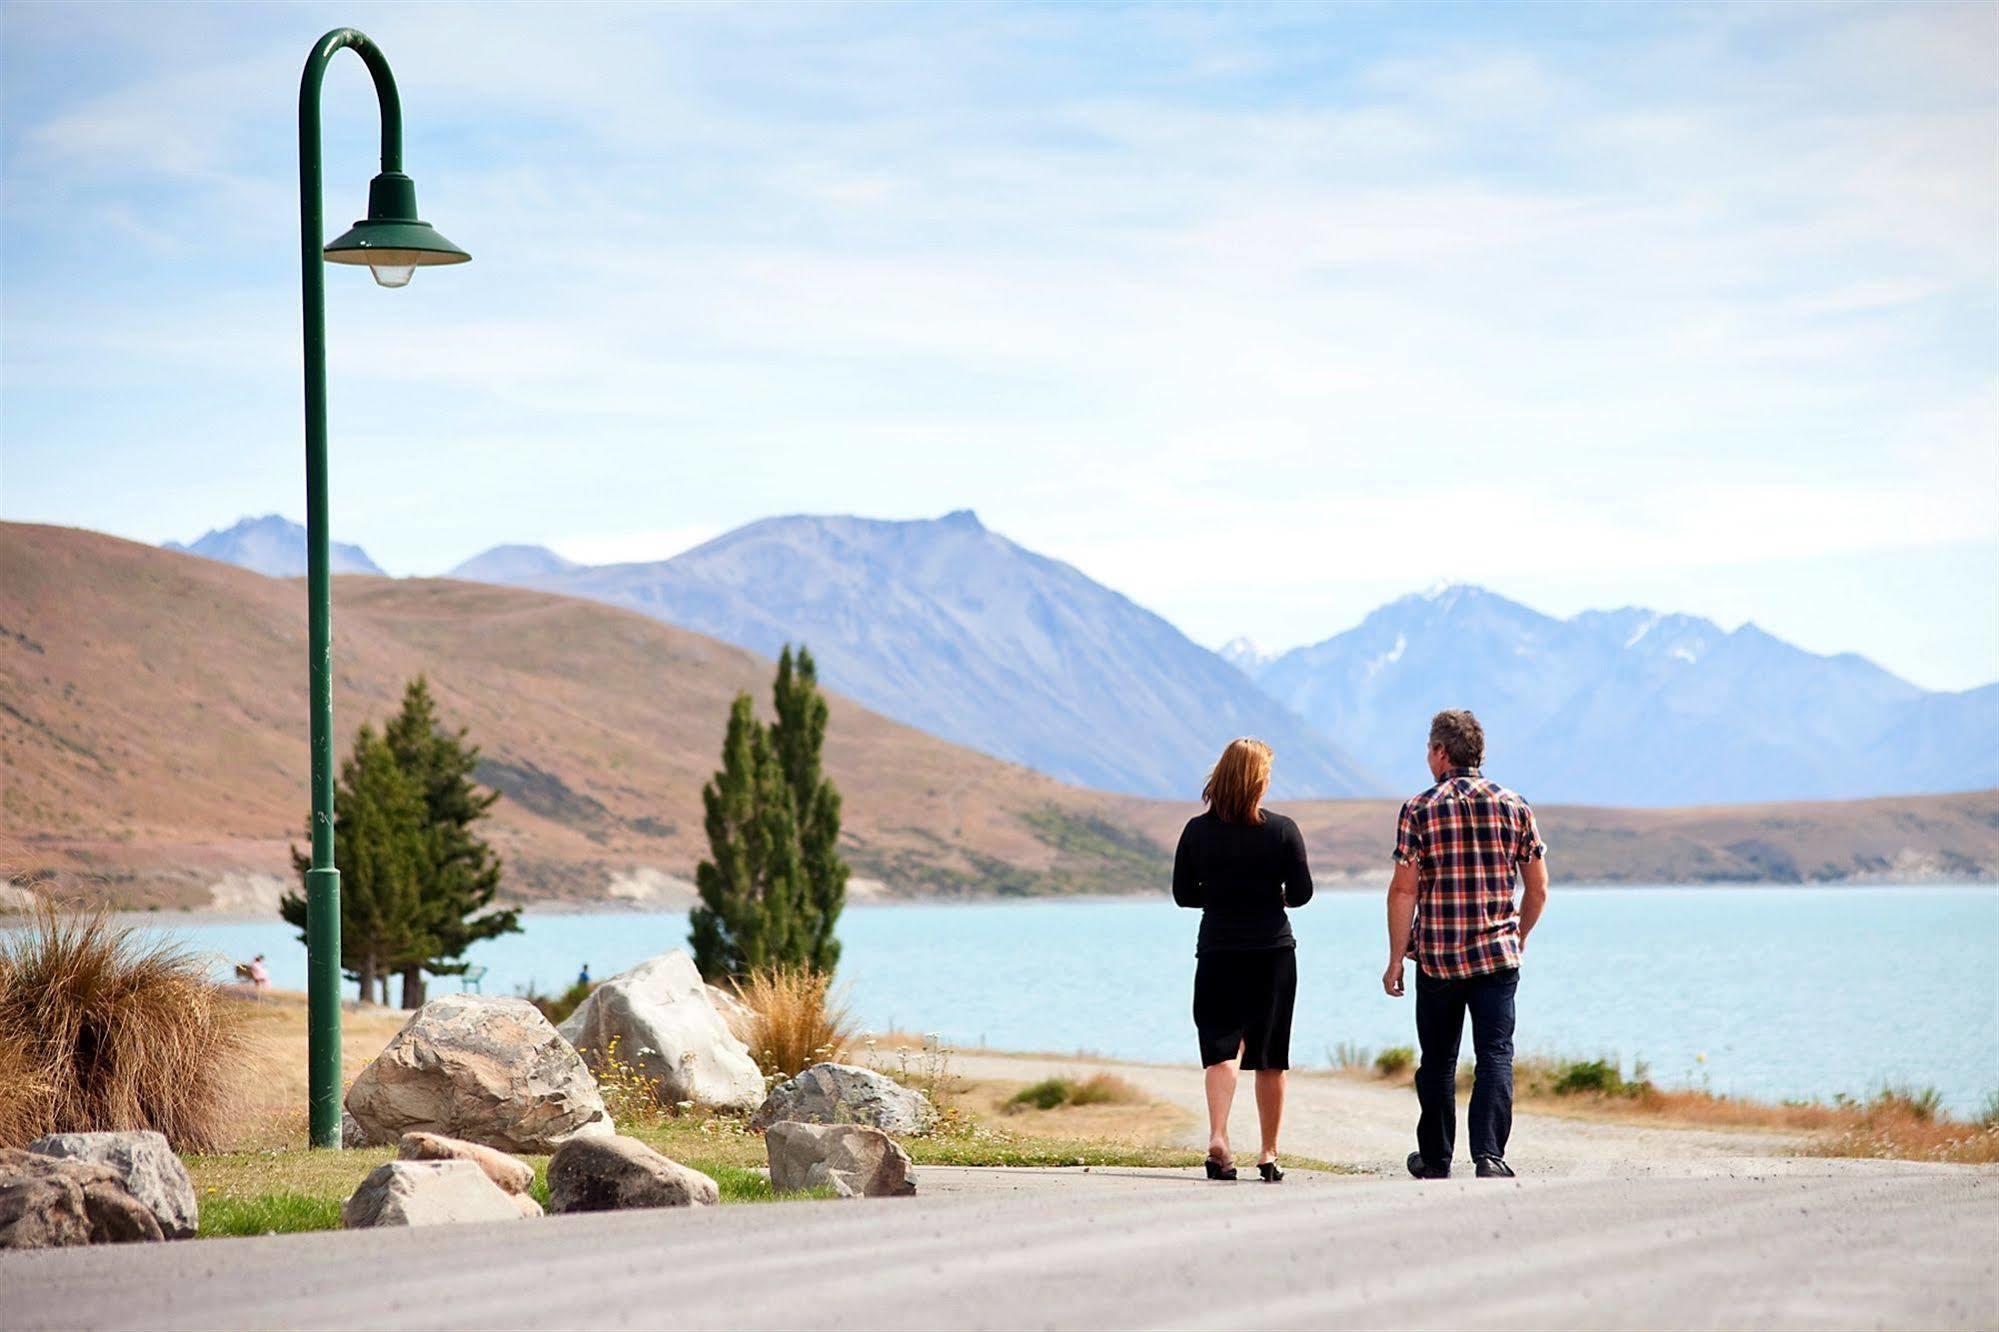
x: 231, y: 915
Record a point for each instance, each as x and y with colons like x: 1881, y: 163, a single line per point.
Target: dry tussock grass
x: 100, y: 1029
x: 798, y: 1020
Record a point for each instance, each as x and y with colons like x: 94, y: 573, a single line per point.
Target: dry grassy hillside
x: 152, y: 731
x: 152, y: 746
x: 1898, y: 839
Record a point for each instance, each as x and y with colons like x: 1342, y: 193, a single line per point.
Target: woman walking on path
x: 1241, y: 865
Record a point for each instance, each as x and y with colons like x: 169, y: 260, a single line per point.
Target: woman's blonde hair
x: 1236, y: 785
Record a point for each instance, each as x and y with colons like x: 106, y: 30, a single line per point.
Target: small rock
x: 144, y: 1163
x: 352, y: 1135
x: 426, y: 1193
x: 53, y: 1202
x: 844, y: 1094
x: 510, y: 1173
x: 853, y: 1160
x: 666, y: 1024
x: 611, y: 1174
x: 488, y: 1070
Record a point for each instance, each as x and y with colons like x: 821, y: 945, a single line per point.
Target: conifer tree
x: 462, y: 875
x: 380, y: 847
x: 799, y: 736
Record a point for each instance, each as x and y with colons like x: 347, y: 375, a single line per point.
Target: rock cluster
x: 53, y: 1201
x: 487, y: 1070
x: 144, y: 1164
x: 611, y: 1174
x: 844, y: 1094
x: 851, y: 1159
x: 667, y: 1023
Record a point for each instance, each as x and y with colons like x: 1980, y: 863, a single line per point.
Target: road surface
x: 1109, y: 1249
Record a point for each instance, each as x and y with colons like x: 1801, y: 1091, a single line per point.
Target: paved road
x: 1109, y: 1249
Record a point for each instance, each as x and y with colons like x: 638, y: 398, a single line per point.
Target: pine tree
x: 462, y: 875
x: 799, y: 736
x: 381, y: 848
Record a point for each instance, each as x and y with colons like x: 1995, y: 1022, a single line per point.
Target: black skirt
x: 1243, y: 1001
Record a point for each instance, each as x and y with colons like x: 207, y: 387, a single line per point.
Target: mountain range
x: 951, y: 627
x: 948, y: 626
x: 274, y: 546
x: 152, y: 754
x: 1632, y: 707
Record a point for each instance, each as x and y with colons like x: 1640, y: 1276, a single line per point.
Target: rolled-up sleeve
x: 1529, y: 845
x: 1409, y: 835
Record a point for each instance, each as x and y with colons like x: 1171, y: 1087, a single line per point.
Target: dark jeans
x: 1440, y: 1025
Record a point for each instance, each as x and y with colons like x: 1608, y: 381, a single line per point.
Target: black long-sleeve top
x: 1241, y: 876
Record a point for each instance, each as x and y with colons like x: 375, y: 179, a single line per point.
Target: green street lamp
x: 394, y: 243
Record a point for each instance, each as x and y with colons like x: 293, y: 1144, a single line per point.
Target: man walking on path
x: 1450, y: 906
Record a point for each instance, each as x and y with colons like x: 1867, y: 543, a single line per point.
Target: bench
x: 469, y: 980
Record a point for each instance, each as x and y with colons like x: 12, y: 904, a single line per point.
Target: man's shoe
x: 1491, y: 1167
x: 1421, y: 1169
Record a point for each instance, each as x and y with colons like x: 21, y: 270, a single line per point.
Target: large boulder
x: 509, y: 1173
x: 427, y: 1193
x: 52, y: 1201
x: 490, y: 1071
x: 665, y: 1025
x: 611, y: 1174
x: 145, y: 1164
x: 844, y: 1094
x: 851, y: 1159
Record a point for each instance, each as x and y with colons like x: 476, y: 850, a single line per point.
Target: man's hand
x: 1391, y: 979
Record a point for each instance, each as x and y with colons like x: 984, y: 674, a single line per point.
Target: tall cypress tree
x: 799, y: 736
x: 462, y: 875
x: 381, y: 848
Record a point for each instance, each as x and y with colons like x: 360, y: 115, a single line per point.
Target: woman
x: 1242, y: 865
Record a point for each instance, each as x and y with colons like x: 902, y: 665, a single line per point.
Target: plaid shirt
x: 1467, y: 837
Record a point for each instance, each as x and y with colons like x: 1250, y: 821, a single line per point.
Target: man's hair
x: 1460, y: 736
x: 1235, y: 788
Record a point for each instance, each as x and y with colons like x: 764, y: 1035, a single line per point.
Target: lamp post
x: 394, y: 243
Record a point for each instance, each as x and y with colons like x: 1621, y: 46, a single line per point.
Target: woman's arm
x: 1187, y: 872
x: 1297, y: 874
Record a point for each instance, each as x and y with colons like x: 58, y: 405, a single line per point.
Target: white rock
x: 665, y: 1025
x: 488, y: 1070
x: 147, y: 1166
x: 851, y: 1159
x: 427, y: 1193
x: 845, y: 1094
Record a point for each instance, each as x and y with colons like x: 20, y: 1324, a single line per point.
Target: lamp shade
x: 392, y: 240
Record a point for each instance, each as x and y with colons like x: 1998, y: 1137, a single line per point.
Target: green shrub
x: 1044, y: 1095
x: 557, y: 1007
x: 1598, y: 1077
x: 1394, y: 1061
x: 1988, y: 1117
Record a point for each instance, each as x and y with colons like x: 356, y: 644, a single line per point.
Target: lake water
x: 1787, y: 991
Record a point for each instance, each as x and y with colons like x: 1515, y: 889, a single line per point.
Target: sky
x: 1261, y: 315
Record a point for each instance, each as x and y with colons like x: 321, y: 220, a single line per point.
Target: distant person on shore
x: 254, y: 972
x: 583, y: 975
x: 1242, y: 865
x: 1458, y: 847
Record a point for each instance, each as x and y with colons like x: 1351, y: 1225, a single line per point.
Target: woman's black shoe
x: 1270, y: 1171
x: 1216, y: 1170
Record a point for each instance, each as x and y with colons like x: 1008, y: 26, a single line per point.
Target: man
x: 1450, y: 906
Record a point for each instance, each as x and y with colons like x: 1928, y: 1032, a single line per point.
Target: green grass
x: 270, y: 1214
x: 1099, y: 1089
x: 1394, y: 1061
x: 1045, y: 1094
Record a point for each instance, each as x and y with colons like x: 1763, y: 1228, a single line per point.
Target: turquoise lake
x: 1788, y: 992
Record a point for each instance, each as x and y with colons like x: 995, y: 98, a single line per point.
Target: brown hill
x: 152, y: 732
